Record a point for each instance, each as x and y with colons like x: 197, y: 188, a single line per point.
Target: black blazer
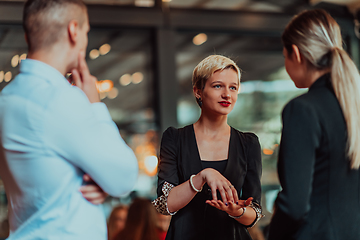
x: 179, y: 159
x: 320, y: 199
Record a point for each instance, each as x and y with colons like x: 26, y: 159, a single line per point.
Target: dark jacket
x: 320, y: 199
x: 179, y: 159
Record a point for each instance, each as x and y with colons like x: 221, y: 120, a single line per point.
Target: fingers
x: 83, y: 67
x: 236, y: 197
x: 248, y: 201
x: 224, y: 191
x: 76, y: 78
x: 215, y: 203
x: 218, y: 182
x: 232, y: 208
x: 89, y: 188
x: 214, y: 193
x: 93, y: 193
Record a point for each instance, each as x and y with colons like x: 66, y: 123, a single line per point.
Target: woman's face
x: 120, y: 219
x: 220, y: 92
x: 295, y: 69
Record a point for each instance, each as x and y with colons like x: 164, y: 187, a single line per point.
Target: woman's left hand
x: 231, y: 208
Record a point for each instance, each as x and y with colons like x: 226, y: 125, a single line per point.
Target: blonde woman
x: 206, y: 166
x: 320, y: 147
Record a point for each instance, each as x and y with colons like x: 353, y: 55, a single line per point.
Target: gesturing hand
x: 231, y: 208
x: 84, y: 80
x: 92, y: 192
x: 216, y: 181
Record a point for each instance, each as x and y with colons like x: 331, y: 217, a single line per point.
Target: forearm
x: 85, y: 135
x: 181, y: 195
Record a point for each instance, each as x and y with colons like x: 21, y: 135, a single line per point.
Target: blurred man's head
x: 50, y: 22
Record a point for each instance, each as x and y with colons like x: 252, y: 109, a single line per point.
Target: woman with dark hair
x: 141, y: 223
x: 117, y: 221
x: 319, y: 155
x: 206, y: 166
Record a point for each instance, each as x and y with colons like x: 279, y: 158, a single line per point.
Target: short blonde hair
x: 211, y: 64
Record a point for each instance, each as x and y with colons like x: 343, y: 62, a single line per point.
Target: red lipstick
x: 225, y: 103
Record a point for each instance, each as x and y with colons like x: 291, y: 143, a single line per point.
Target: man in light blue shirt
x: 52, y: 133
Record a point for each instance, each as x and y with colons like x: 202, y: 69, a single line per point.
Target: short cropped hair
x: 211, y: 64
x: 45, y: 21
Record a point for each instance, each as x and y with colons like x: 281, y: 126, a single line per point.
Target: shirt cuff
x: 161, y: 202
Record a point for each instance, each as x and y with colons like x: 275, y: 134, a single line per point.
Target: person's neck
x: 210, y: 124
x: 53, y: 57
x: 315, y: 75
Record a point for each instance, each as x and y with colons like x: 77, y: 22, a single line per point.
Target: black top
x: 220, y: 165
x: 179, y: 159
x: 321, y: 194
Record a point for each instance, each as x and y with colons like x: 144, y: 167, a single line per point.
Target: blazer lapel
x: 191, y: 162
x: 236, y: 167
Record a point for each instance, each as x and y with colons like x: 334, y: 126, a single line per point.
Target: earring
x: 199, y: 101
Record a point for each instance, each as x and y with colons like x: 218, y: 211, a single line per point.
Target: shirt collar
x: 43, y: 70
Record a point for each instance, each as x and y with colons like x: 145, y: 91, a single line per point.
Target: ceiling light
x: 200, y: 39
x: 8, y: 76
x: 144, y: 3
x: 125, y: 79
x: 113, y: 93
x: 15, y: 61
x: 151, y: 163
x: 104, y: 49
x: 1, y: 76
x: 106, y: 85
x: 22, y: 57
x: 94, y: 54
x: 102, y: 95
x: 137, y: 77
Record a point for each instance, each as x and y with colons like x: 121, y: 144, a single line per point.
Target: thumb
x: 76, y: 78
x: 248, y: 201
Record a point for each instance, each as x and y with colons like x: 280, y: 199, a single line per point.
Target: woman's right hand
x: 217, y: 181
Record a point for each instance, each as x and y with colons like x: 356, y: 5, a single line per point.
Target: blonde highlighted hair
x: 318, y: 37
x: 208, y: 66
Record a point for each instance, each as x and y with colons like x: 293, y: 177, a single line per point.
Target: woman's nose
x: 226, y: 94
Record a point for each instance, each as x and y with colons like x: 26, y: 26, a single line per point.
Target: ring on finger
x: 231, y: 186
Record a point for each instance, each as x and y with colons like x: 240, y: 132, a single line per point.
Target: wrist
x: 195, y: 183
x: 243, y: 210
x: 204, y: 174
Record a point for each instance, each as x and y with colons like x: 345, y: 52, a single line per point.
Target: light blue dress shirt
x: 50, y: 135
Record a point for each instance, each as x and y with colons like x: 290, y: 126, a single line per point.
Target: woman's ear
x: 197, y: 92
x: 296, y: 53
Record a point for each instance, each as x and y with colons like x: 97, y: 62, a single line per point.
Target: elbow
x: 128, y: 177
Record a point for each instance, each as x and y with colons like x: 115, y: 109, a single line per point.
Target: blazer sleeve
x: 252, y: 184
x: 168, y: 170
x: 300, y: 138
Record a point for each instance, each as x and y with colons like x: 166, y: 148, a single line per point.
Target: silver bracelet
x: 244, y: 209
x: 192, y: 185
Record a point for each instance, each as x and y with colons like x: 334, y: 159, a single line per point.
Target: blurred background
x: 144, y: 51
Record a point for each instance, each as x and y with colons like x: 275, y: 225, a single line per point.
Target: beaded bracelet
x: 244, y: 209
x: 192, y: 185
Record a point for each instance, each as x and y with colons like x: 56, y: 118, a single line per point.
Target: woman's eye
x: 217, y: 86
x: 233, y: 88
